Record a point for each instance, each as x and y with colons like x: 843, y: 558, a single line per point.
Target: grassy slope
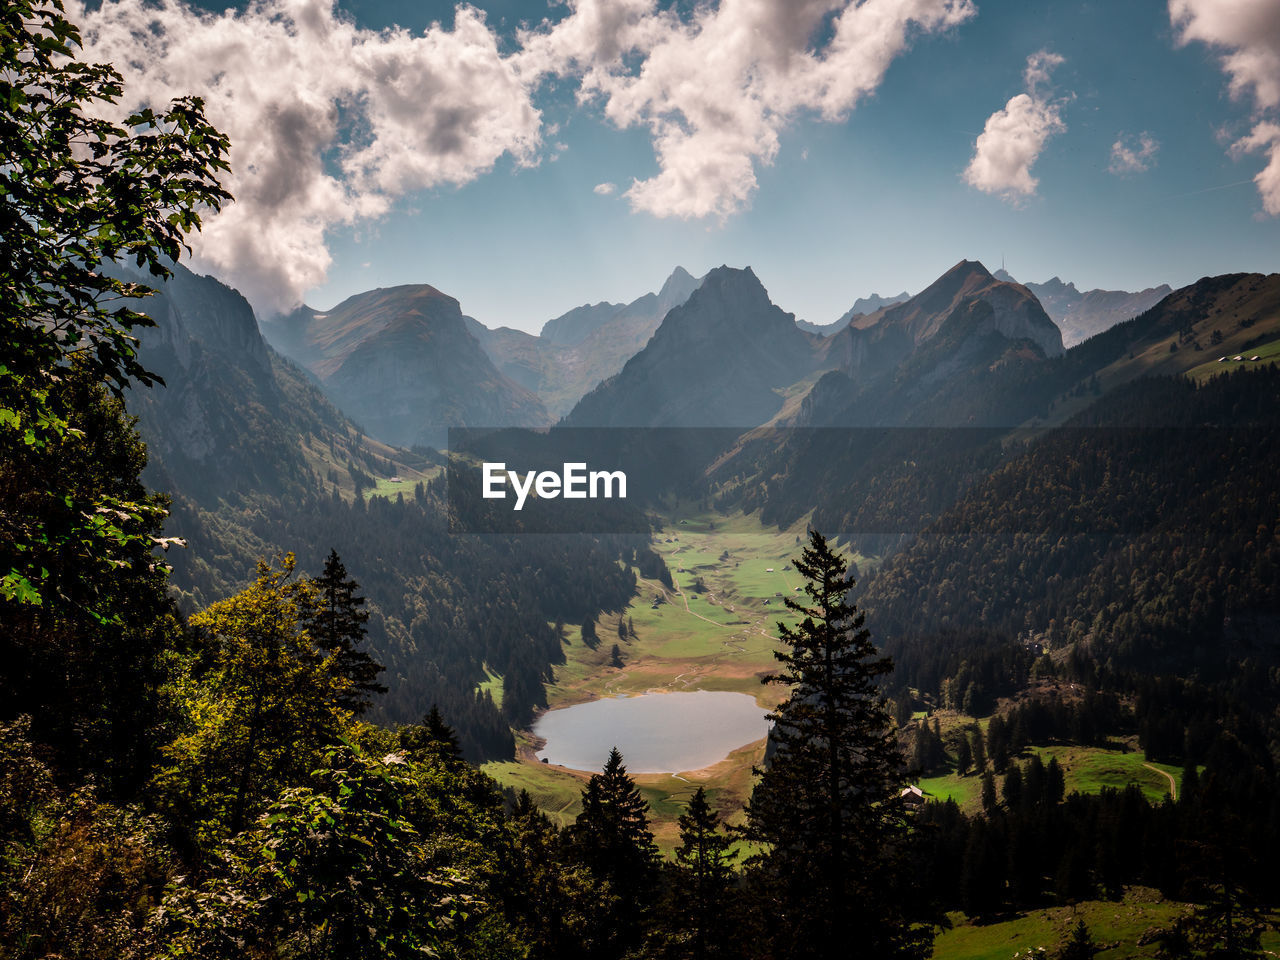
x: 1085, y: 769
x: 1117, y: 926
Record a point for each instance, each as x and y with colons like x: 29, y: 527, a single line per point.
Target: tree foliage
x: 78, y: 192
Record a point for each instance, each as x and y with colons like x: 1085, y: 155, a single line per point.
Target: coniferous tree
x: 826, y: 808
x: 989, y: 802
x: 337, y: 626
x: 702, y: 887
x: 978, y: 745
x: 611, y: 837
x: 1081, y: 946
x: 964, y: 755
x: 434, y: 738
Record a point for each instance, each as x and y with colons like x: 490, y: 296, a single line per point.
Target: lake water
x: 656, y: 732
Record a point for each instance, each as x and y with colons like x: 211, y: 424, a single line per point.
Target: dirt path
x: 685, y: 600
x: 1173, y: 784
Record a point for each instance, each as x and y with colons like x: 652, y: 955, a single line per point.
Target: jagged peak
x: 680, y: 282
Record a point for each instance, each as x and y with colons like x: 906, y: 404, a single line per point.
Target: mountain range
x: 579, y: 349
x: 1082, y: 315
x: 263, y: 456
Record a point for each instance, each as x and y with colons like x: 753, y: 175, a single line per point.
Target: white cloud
x: 1133, y: 154
x: 329, y: 124
x: 1013, y: 137
x: 1265, y: 137
x: 716, y: 89
x: 1247, y: 35
x: 604, y: 189
x: 1040, y: 66
x: 1247, y: 32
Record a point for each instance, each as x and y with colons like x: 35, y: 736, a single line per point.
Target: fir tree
x: 612, y: 839
x: 337, y: 626
x: 702, y: 888
x: 1081, y: 946
x: 826, y: 808
x: 434, y: 738
x: 964, y: 755
x: 989, y: 802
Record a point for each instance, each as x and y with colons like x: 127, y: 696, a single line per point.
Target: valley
x: 286, y: 673
x: 713, y: 629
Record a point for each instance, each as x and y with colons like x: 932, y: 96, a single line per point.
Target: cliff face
x: 231, y: 415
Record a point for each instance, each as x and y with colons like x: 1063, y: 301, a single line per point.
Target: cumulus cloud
x: 1266, y: 138
x: 1013, y: 137
x: 1246, y: 34
x: 1133, y: 154
x: 716, y: 88
x: 329, y: 124
x: 604, y: 189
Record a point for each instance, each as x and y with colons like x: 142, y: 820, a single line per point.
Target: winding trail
x: 1173, y: 784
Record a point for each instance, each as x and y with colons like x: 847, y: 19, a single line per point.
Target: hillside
x: 259, y: 463
x: 1144, y: 529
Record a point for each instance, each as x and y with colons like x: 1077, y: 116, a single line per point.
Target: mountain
x: 259, y: 463
x: 930, y: 359
x: 570, y: 329
x: 234, y: 419
x: 1081, y: 315
x: 856, y: 475
x: 579, y: 349
x: 723, y: 358
x: 861, y: 307
x: 402, y: 363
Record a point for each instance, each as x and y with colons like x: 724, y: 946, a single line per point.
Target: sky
x: 528, y: 157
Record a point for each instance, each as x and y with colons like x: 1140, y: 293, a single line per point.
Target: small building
x: 912, y: 797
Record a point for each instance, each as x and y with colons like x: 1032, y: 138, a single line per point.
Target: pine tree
x: 612, y: 839
x: 826, y: 808
x: 337, y: 625
x: 1081, y: 946
x: 978, y: 744
x: 989, y: 802
x: 964, y: 755
x: 434, y: 738
x: 702, y: 888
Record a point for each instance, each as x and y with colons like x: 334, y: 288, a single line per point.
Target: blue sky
x: 872, y: 196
